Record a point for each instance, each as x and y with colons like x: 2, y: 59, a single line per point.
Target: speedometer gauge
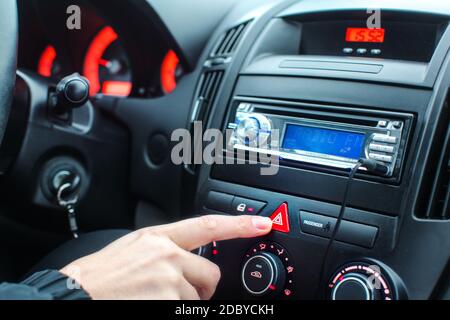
x: 106, y: 65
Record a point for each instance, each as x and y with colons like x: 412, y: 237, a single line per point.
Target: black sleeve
x: 46, y: 285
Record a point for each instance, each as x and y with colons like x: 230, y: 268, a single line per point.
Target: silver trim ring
x: 368, y: 295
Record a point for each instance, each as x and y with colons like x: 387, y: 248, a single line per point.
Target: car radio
x: 331, y: 139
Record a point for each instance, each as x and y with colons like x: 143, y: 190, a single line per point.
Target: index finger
x: 194, y: 233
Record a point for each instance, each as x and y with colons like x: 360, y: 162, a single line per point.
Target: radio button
x: 347, y: 50
x: 397, y: 125
x: 242, y: 206
x: 381, y: 157
x: 383, y: 124
x: 375, y: 52
x: 232, y: 126
x: 382, y: 148
x: 244, y: 107
x: 361, y: 51
x: 384, y: 138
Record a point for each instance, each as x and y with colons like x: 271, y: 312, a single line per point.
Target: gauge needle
x: 113, y: 66
x: 105, y: 63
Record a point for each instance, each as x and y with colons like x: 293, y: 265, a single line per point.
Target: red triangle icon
x: 280, y: 219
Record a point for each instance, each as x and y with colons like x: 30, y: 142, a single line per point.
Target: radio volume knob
x: 248, y: 130
x: 253, y: 129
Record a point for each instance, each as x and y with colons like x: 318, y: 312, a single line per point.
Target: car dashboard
x: 334, y: 119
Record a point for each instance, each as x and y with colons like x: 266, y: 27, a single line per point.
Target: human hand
x: 156, y: 263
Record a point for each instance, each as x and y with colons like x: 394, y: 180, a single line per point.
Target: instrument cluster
x: 110, y: 52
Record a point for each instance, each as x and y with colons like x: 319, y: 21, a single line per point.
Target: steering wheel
x: 8, y: 59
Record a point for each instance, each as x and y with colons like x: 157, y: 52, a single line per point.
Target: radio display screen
x: 324, y: 141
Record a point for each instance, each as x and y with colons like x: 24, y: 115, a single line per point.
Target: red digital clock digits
x: 365, y: 35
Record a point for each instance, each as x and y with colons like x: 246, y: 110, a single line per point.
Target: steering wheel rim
x: 8, y: 59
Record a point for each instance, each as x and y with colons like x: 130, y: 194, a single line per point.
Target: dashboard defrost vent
x: 229, y: 42
x: 434, y: 203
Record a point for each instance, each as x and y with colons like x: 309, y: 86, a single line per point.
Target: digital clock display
x: 395, y: 40
x: 375, y: 35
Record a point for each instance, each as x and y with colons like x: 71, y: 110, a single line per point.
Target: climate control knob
x: 362, y: 281
x: 354, y: 286
x: 263, y: 274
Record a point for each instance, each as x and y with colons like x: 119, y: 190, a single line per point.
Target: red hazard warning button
x: 280, y: 219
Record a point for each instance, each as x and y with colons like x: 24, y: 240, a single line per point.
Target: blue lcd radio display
x: 324, y: 141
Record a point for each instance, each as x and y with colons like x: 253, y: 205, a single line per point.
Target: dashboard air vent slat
x: 207, y: 92
x: 434, y: 201
x: 228, y: 44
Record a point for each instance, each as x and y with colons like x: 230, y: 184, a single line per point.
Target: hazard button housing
x: 280, y: 219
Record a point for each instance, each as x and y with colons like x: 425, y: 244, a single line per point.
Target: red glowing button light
x: 168, y: 72
x: 46, y: 61
x: 375, y: 35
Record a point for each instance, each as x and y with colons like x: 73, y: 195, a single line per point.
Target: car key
x: 69, y: 206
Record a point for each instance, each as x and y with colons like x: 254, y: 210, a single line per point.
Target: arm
x: 46, y: 285
x: 153, y: 263
x: 156, y: 263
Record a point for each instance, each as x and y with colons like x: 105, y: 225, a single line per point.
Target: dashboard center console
x: 319, y: 90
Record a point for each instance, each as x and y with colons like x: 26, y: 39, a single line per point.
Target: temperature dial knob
x: 354, y: 286
x: 361, y: 281
x: 263, y: 275
x: 253, y: 129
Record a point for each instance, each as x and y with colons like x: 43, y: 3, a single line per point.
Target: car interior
x: 350, y: 104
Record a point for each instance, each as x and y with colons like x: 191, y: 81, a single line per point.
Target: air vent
x: 229, y: 42
x: 207, y: 92
x: 435, y: 192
